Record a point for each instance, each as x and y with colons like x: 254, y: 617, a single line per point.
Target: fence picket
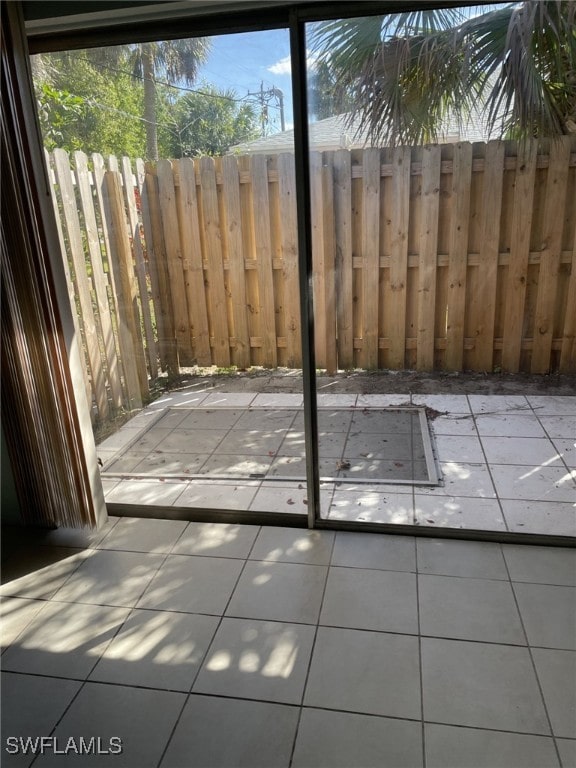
x: 317, y: 206
x: 263, y: 249
x: 400, y: 213
x: 514, y: 308
x: 331, y: 361
x: 343, y: 253
x: 458, y: 257
x: 489, y: 252
x: 555, y: 203
x: 70, y: 285
x: 148, y: 244
x: 370, y: 256
x: 173, y: 248
x: 568, y: 344
x: 140, y: 265
x: 98, y: 276
x: 428, y: 243
x: 102, y: 195
x: 81, y: 279
x: 289, y: 249
x: 187, y: 205
x: 216, y: 295
x: 221, y: 236
x: 235, y: 250
x: 121, y: 265
x: 159, y: 274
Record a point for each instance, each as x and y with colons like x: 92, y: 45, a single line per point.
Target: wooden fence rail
x: 454, y: 257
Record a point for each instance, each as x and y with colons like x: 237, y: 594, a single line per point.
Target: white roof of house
x: 329, y: 134
x: 337, y: 133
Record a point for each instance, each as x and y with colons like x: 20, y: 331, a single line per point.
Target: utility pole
x: 265, y: 97
x: 280, y: 96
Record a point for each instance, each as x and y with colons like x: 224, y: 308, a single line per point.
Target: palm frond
x: 181, y: 59
x: 407, y: 72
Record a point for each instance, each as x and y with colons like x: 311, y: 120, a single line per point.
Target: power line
x: 263, y: 98
x: 172, y: 127
x: 167, y: 84
x: 240, y: 100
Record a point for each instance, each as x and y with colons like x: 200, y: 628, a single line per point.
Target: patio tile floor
x: 506, y: 462
x: 262, y: 646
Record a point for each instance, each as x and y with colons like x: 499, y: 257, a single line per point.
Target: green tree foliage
x: 108, y: 99
x: 83, y: 106
x: 57, y: 110
x: 325, y: 97
x: 210, y: 121
x: 175, y: 60
x: 407, y: 71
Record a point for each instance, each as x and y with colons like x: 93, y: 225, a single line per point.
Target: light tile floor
x: 213, y: 645
x: 508, y: 463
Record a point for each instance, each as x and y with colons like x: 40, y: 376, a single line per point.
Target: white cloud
x: 283, y: 67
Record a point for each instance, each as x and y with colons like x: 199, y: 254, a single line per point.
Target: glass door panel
x: 172, y: 168
x: 394, y: 203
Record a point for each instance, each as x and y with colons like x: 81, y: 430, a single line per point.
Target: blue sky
x: 244, y: 61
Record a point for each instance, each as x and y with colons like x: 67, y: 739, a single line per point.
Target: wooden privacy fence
x: 453, y: 257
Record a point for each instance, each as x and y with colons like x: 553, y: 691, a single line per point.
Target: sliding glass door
x: 173, y: 182
x: 289, y: 293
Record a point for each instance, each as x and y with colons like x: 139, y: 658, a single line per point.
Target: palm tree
x: 178, y: 61
x: 325, y: 98
x: 408, y: 71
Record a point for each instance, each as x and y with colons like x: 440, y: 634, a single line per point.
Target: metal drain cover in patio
x: 369, y: 445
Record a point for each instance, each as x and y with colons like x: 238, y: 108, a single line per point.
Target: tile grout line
x: 85, y: 680
x: 187, y: 696
x: 309, y: 666
x: 205, y: 655
x: 533, y: 663
x: 488, y: 466
x: 335, y: 483
x: 415, y: 521
x: 25, y: 627
x: 561, y: 457
x: 420, y: 664
x: 288, y: 705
